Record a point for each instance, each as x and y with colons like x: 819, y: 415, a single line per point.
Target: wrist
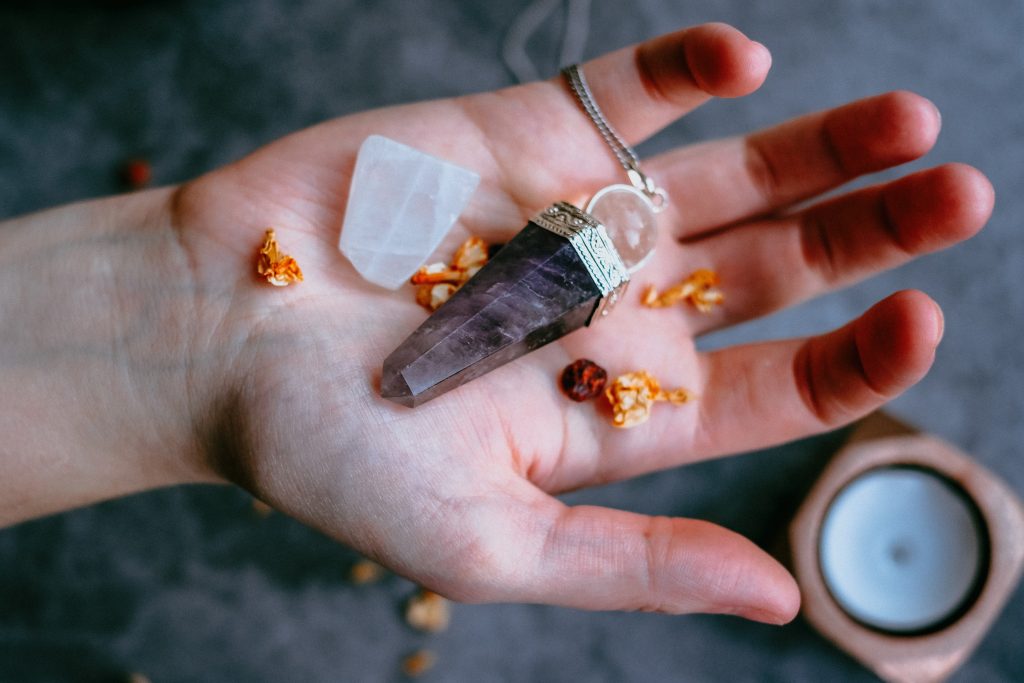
x: 98, y: 304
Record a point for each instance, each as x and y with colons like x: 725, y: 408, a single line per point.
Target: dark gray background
x: 190, y: 585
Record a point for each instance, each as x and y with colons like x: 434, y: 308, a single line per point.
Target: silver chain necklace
x: 623, y: 152
x: 627, y: 212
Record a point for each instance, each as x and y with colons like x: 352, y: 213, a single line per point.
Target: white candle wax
x: 900, y: 549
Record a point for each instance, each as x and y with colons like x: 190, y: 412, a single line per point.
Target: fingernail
x: 940, y: 324
x: 938, y: 113
x: 763, y: 616
x: 765, y: 52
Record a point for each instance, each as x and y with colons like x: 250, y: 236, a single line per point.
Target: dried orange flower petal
x: 418, y: 663
x: 472, y: 253
x: 437, y: 281
x: 365, y: 571
x: 633, y: 394
x: 279, y: 269
x: 428, y: 611
x: 432, y: 296
x: 698, y: 290
x: 436, y: 273
x: 676, y: 396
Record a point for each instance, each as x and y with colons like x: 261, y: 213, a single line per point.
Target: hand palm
x: 455, y: 493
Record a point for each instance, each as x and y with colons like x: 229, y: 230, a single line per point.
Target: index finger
x: 643, y: 88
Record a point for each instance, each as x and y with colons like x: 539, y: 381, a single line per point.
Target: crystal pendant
x: 629, y: 218
x: 559, y: 273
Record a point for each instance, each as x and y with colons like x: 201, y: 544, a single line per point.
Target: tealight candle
x: 905, y: 550
x: 901, y: 549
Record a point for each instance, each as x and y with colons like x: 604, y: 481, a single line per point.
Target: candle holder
x: 905, y: 551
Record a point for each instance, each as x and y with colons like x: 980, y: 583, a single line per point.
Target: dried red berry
x: 583, y: 379
x: 137, y: 173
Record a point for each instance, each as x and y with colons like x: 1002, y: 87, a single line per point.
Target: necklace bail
x: 646, y: 184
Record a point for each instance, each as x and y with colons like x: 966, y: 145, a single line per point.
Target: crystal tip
x: 394, y: 388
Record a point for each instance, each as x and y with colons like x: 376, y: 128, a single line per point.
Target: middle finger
x: 725, y: 181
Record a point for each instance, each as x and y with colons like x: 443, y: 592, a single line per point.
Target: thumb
x: 605, y: 559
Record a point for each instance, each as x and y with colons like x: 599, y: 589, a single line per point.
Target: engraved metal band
x: 591, y: 242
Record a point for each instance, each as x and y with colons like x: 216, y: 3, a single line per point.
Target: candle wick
x: 900, y: 552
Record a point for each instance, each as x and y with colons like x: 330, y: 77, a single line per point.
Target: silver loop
x: 639, y: 180
x: 659, y: 200
x: 645, y: 183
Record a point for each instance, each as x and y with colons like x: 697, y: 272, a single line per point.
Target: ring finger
x: 774, y: 263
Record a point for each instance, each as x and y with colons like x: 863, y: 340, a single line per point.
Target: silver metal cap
x: 595, y: 249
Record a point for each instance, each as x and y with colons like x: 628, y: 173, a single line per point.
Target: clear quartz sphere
x: 630, y: 220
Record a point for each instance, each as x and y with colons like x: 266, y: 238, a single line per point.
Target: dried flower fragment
x: 698, y: 289
x: 418, y: 663
x: 633, y: 394
x: 279, y: 269
x: 261, y: 508
x: 471, y: 253
x: 583, y: 379
x: 432, y: 296
x: 365, y: 571
x: 138, y: 678
x: 436, y: 273
x: 428, y: 611
x: 438, y: 281
x: 136, y: 174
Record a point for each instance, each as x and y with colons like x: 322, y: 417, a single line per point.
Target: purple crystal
x: 534, y: 291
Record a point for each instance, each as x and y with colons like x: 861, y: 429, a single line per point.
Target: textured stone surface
x: 401, y: 204
x: 532, y: 292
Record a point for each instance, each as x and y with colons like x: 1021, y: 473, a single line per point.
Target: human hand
x: 281, y: 385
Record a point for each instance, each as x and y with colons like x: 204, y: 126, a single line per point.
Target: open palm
x: 457, y: 494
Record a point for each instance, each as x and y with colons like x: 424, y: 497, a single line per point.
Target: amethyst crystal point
x: 555, y: 276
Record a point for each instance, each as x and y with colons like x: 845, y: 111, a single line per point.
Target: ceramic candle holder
x: 906, y: 550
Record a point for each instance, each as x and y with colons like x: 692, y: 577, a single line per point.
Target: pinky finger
x: 763, y: 394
